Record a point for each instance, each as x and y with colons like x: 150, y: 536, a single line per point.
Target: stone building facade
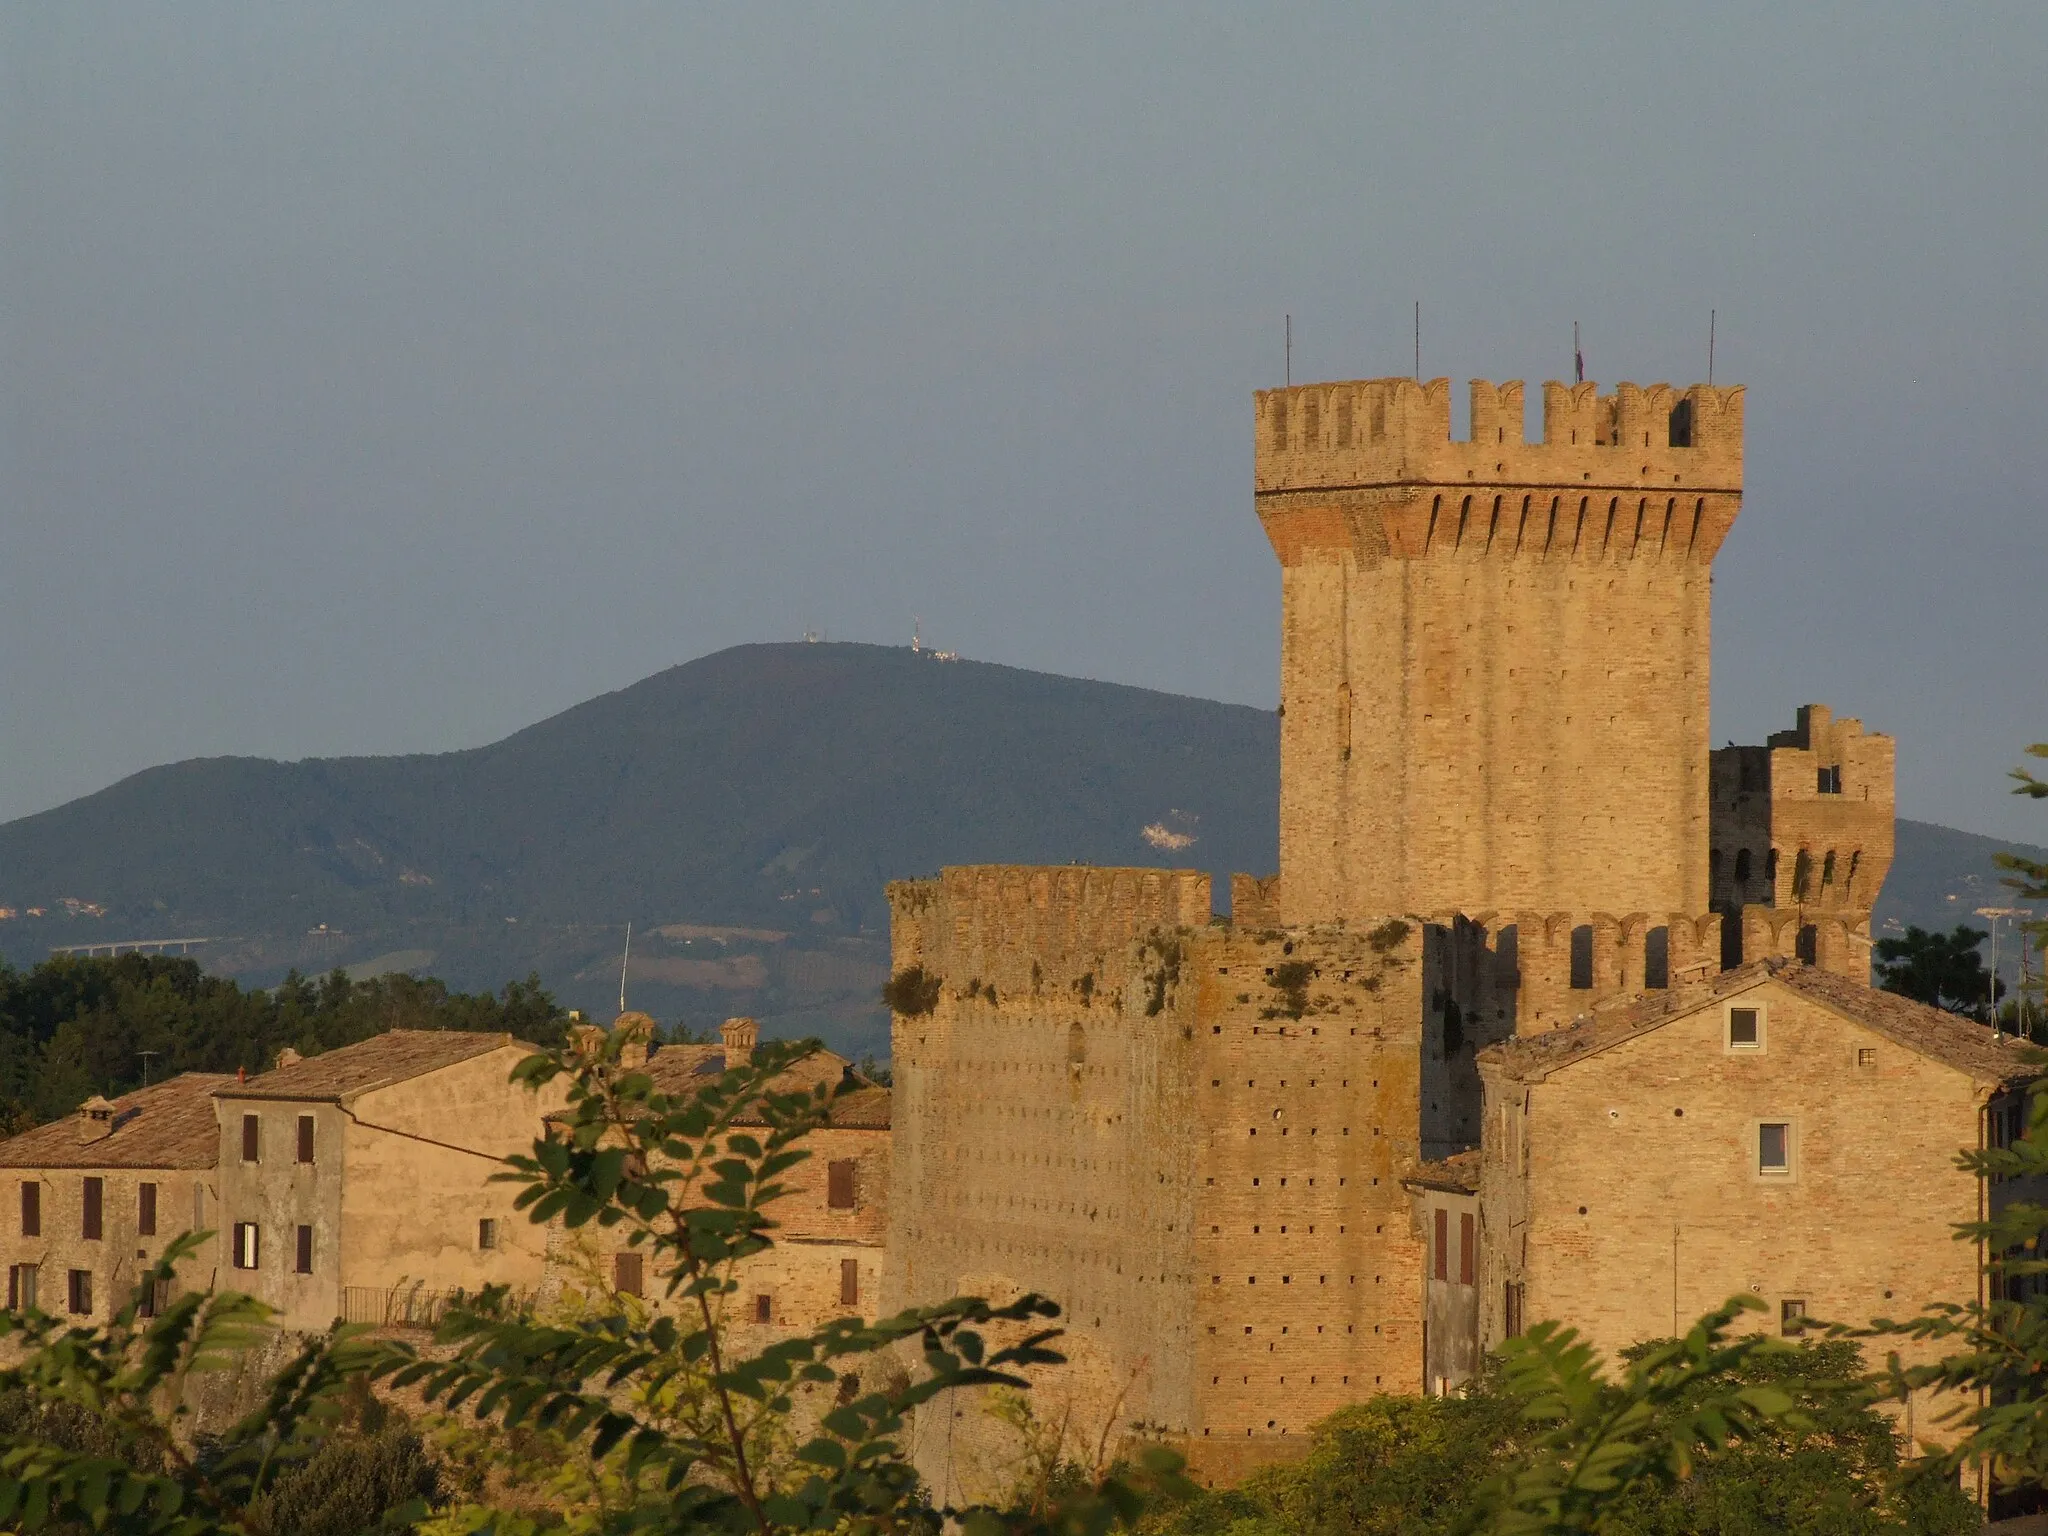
x: 358, y: 1184
x: 1225, y: 1145
x: 88, y: 1203
x: 831, y: 1222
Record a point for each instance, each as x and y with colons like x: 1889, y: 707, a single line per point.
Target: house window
x: 839, y: 1185
x: 91, y: 1226
x: 247, y: 1245
x: 79, y: 1301
x: 252, y: 1138
x: 302, y: 1252
x: 21, y: 1287
x: 849, y: 1282
x: 305, y: 1138
x: 1866, y: 1056
x: 764, y: 1309
x: 152, y: 1296
x: 1467, y: 1258
x: 145, y: 1210
x: 1791, y: 1318
x: 487, y: 1232
x: 1745, y: 1029
x: 626, y: 1274
x: 1774, y: 1148
x: 1442, y: 1262
x: 1511, y: 1309
x: 31, y: 1208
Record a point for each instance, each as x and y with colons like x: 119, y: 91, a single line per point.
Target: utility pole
x: 1995, y: 913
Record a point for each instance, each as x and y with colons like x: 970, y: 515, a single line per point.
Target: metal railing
x: 399, y: 1306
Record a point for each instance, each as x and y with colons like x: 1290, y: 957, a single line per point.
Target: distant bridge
x: 133, y: 947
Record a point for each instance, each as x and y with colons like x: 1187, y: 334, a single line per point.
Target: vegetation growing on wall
x: 912, y: 992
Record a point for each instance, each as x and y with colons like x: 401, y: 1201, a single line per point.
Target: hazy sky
x: 386, y: 377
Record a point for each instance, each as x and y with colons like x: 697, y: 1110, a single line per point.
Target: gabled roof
x: 1947, y: 1038
x: 681, y: 1069
x: 169, y: 1125
x: 378, y: 1062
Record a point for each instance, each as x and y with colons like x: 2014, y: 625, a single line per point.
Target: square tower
x: 1494, y: 653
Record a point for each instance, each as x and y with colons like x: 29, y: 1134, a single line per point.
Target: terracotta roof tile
x: 1459, y: 1173
x: 1941, y: 1036
x: 391, y: 1057
x: 168, y: 1125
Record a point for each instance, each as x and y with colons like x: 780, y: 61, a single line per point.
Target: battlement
x: 1370, y: 434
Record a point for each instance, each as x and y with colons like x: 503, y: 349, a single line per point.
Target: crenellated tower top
x: 1373, y: 433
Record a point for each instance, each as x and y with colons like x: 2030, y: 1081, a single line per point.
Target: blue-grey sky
x: 384, y: 377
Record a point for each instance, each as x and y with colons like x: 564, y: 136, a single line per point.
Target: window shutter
x: 95, y: 1192
x: 764, y: 1309
x: 626, y: 1274
x: 1442, y: 1262
x: 305, y: 1138
x: 305, y: 1253
x: 849, y: 1282
x: 31, y: 1208
x: 145, y: 1210
x: 251, y: 1138
x: 839, y: 1185
x: 1466, y: 1258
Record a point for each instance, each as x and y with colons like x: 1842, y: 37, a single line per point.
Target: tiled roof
x: 680, y: 1069
x: 391, y: 1057
x: 169, y: 1125
x: 1458, y: 1173
x: 1931, y: 1032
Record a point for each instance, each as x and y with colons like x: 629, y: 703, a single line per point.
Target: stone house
x: 1778, y: 1130
x: 831, y: 1223
x: 1445, y: 1196
x: 359, y: 1183
x: 90, y: 1201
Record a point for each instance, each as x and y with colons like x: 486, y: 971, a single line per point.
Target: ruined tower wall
x: 1494, y: 674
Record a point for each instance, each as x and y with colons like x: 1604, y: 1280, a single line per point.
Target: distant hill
x: 743, y: 811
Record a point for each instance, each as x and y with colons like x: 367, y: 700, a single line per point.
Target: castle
x: 1234, y: 1149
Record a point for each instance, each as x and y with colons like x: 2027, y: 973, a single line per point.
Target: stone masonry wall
x: 1494, y: 653
x: 1623, y: 1191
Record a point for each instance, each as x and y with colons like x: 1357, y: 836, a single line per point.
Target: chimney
x: 95, y: 1119
x: 241, y: 1074
x: 635, y: 1032
x: 288, y: 1058
x: 740, y: 1037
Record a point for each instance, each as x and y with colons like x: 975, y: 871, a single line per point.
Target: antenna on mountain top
x: 916, y: 636
x: 622, y: 967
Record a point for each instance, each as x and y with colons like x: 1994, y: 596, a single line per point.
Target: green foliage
x: 1165, y: 975
x: 351, y: 1483
x: 699, y: 1440
x: 1943, y: 970
x: 73, y: 1027
x: 912, y: 991
x: 1290, y: 982
x: 98, y: 1429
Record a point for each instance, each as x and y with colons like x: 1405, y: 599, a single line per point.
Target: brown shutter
x: 839, y: 1186
x: 764, y: 1309
x: 305, y: 1138
x: 849, y: 1282
x: 31, y: 1208
x: 251, y: 1138
x: 145, y: 1210
x: 1466, y: 1259
x: 626, y: 1274
x: 1442, y: 1268
x: 304, y: 1257
x: 95, y: 1192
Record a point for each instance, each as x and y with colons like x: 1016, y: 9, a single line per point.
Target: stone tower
x: 1494, y: 653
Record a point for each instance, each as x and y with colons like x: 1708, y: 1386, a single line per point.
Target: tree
x: 1943, y: 970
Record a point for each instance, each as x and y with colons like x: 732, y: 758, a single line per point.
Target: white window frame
x: 1763, y: 1029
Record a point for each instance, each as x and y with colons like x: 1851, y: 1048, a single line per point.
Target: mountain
x: 743, y: 811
